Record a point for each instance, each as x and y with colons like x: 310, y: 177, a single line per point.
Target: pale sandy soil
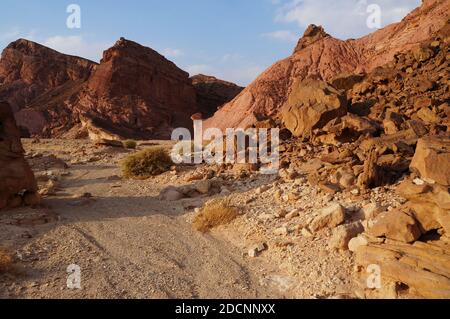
x: 129, y: 244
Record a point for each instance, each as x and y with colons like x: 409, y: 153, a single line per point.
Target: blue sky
x: 232, y: 39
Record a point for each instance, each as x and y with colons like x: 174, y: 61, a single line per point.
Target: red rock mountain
x: 319, y: 55
x: 213, y: 93
x: 136, y: 92
x: 133, y: 93
x: 28, y: 70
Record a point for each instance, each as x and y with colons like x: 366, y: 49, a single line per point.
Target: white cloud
x: 343, y: 18
x: 11, y: 34
x: 15, y: 33
x: 199, y: 69
x: 172, y: 53
x: 231, y: 57
x: 282, y: 35
x: 76, y: 45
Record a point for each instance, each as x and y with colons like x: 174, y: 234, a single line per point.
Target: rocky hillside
x: 390, y: 128
x: 29, y: 70
x: 318, y: 55
x: 134, y: 92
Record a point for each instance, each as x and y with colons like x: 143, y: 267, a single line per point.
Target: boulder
x: 330, y: 217
x: 170, y: 194
x: 432, y: 159
x: 16, y: 178
x: 311, y: 105
x: 355, y: 243
x: 342, y: 235
x: 399, y: 225
x: 430, y: 205
x: 420, y: 269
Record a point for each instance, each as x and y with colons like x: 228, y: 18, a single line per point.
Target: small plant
x: 6, y: 260
x: 130, y: 144
x: 147, y: 163
x: 215, y: 213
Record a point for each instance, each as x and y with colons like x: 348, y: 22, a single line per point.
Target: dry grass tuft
x: 130, y: 144
x: 147, y: 163
x: 6, y: 261
x: 214, y: 213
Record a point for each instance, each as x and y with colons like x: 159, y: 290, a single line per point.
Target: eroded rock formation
x: 17, y: 182
x: 136, y: 92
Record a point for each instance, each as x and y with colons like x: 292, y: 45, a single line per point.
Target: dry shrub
x: 130, y: 144
x: 6, y: 260
x: 147, y: 163
x: 214, y: 213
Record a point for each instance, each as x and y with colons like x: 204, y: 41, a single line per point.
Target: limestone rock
x: 342, y: 235
x: 330, y: 217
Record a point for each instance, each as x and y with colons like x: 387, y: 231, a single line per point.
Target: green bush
x: 147, y: 163
x: 130, y: 144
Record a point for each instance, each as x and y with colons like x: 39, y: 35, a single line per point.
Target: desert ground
x: 130, y: 244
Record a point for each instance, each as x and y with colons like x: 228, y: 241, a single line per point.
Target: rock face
x: 403, y: 243
x: 321, y: 56
x: 29, y: 70
x: 136, y: 92
x: 212, y: 93
x: 17, y: 182
x: 311, y: 105
x: 432, y: 159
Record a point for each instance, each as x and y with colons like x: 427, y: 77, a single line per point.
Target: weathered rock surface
x: 332, y: 216
x: 134, y: 92
x: 311, y: 105
x: 432, y: 159
x: 29, y: 70
x: 413, y: 253
x: 17, y: 182
x: 420, y: 269
x: 137, y: 91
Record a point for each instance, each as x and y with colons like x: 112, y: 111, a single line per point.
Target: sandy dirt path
x: 128, y: 244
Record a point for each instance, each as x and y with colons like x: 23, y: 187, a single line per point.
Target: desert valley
x: 359, y: 208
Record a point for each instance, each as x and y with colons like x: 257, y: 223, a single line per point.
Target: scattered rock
x: 342, y: 235
x: 256, y: 249
x: 330, y: 217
